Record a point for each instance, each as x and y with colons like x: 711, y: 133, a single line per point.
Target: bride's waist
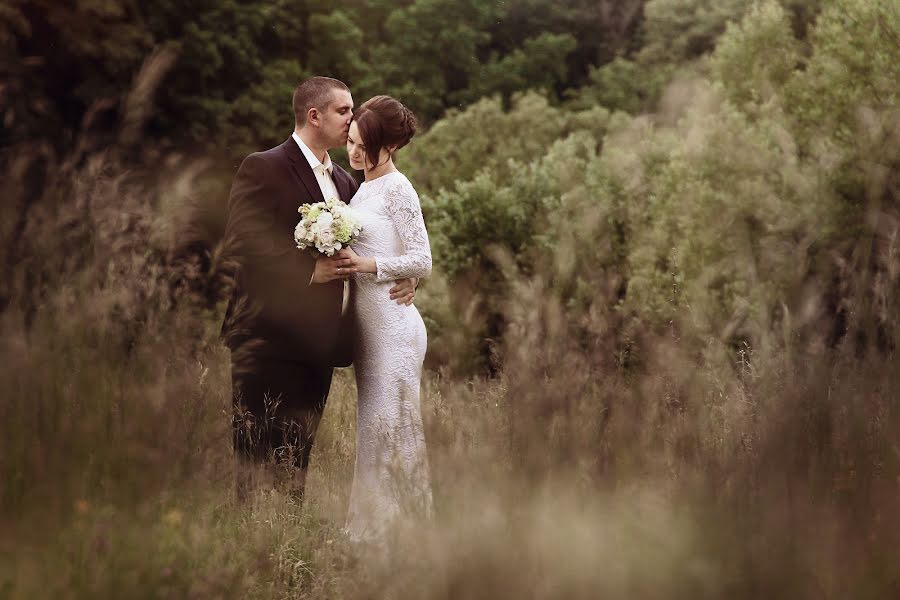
x: 364, y: 284
x: 377, y: 298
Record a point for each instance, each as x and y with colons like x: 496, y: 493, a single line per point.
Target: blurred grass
x: 695, y: 472
x: 118, y: 482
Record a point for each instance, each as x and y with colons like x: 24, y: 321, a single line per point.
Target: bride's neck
x: 382, y: 169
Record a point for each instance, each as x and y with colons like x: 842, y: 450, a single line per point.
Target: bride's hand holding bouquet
x: 351, y: 262
x: 328, y: 228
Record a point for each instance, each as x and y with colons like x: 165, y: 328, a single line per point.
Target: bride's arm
x: 403, y: 206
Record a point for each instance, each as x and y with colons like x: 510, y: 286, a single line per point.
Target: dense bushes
x: 735, y: 211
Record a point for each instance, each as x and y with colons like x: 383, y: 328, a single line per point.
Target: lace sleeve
x: 402, y: 203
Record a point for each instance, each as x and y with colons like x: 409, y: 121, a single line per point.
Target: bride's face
x: 356, y: 151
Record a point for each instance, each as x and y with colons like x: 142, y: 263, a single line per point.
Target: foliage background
x: 663, y: 322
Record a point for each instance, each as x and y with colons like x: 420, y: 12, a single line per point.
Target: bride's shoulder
x: 400, y: 184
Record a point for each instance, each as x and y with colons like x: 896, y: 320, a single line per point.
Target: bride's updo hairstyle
x: 384, y: 122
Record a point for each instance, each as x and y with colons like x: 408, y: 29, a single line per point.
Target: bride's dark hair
x: 384, y: 122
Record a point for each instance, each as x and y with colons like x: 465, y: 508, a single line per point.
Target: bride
x: 391, y: 477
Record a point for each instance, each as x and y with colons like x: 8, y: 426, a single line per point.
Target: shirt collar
x: 310, y: 157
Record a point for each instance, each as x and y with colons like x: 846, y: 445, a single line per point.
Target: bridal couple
x: 291, y: 318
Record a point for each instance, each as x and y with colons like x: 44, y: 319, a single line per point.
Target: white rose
x: 326, y: 237
x: 325, y: 219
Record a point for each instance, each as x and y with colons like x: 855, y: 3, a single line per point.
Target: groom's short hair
x: 314, y: 92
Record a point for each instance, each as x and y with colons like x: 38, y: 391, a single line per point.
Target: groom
x: 286, y: 324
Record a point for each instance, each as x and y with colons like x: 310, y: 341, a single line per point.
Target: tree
x: 487, y: 137
x: 431, y: 50
x: 60, y: 60
x: 540, y: 63
x: 680, y: 30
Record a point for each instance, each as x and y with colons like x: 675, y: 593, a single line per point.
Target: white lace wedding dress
x: 391, y: 477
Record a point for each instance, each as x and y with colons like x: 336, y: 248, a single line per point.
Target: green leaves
x: 539, y: 64
x: 678, y: 30
x: 261, y: 116
x: 237, y: 57
x: 338, y: 47
x: 222, y: 57
x: 755, y: 59
x: 485, y: 136
x: 733, y: 215
x: 624, y: 85
x: 430, y: 50
x: 855, y: 65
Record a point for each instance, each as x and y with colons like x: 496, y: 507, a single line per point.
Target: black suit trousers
x: 277, y: 408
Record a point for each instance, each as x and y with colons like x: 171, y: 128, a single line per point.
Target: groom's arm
x: 272, y: 269
x: 251, y: 231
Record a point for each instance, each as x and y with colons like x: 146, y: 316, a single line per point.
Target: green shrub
x: 486, y: 137
x: 624, y: 85
x: 755, y: 59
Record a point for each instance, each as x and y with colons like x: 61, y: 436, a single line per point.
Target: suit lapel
x: 303, y: 171
x: 342, y: 185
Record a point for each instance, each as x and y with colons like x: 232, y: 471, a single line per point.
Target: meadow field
x: 663, y: 332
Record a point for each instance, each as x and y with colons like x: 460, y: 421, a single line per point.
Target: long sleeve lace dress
x: 391, y: 476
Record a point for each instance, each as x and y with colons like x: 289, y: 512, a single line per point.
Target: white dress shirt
x: 321, y: 170
x: 326, y: 184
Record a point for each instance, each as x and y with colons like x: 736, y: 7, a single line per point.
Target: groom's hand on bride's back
x: 404, y: 292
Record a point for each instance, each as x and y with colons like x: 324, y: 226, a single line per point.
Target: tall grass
x: 565, y: 475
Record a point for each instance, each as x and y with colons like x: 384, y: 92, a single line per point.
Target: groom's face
x: 335, y: 122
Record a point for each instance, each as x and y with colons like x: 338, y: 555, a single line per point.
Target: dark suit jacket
x: 274, y: 310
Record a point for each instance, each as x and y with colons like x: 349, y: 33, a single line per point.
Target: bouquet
x: 329, y: 226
